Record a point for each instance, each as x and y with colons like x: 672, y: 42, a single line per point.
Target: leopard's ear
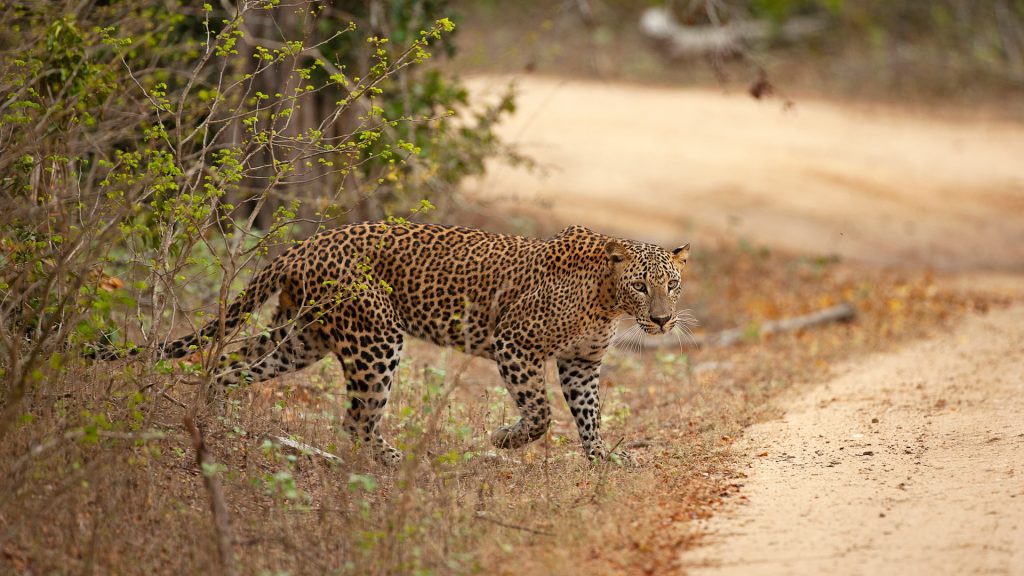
x: 617, y: 252
x: 681, y: 254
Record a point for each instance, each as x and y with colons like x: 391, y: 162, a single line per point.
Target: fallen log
x: 839, y: 313
x: 680, y: 41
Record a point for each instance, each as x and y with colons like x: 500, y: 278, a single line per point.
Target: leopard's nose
x: 661, y: 320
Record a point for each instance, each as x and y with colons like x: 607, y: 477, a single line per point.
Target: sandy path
x: 909, y: 463
x: 875, y: 184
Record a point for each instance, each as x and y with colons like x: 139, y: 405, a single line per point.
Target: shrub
x: 150, y: 150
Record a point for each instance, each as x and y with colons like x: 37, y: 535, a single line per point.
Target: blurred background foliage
x: 70, y: 43
x: 954, y: 51
x: 986, y: 37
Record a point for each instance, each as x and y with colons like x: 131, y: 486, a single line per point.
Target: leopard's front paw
x: 601, y: 453
x: 623, y: 458
x: 388, y: 456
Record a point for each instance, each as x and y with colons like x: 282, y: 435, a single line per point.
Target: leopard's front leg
x: 580, y: 379
x: 523, y: 374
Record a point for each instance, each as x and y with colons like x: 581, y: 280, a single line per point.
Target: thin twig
x: 616, y: 446
x: 218, y: 506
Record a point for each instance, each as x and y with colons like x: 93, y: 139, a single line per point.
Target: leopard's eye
x: 640, y: 287
x: 673, y: 284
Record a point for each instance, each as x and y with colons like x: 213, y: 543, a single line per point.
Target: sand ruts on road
x: 909, y: 462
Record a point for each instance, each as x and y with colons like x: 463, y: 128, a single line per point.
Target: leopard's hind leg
x: 367, y: 338
x: 523, y: 375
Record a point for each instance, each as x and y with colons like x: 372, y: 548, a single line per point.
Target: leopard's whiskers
x: 630, y: 339
x: 622, y: 337
x: 685, y: 331
x: 635, y: 344
x: 686, y: 317
x: 639, y: 341
x: 684, y: 320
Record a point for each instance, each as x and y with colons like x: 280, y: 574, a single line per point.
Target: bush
x: 152, y: 149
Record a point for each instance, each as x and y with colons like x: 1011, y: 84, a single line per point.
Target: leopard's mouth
x: 653, y: 329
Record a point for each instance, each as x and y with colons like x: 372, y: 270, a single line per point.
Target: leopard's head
x: 648, y: 281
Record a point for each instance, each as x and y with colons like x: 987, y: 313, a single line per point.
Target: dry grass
x: 100, y: 475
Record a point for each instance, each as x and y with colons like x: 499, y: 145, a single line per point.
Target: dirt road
x: 909, y: 462
x: 876, y: 184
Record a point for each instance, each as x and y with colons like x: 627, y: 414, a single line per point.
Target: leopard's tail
x: 262, y: 286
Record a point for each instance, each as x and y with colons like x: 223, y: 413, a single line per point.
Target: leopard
x: 358, y: 291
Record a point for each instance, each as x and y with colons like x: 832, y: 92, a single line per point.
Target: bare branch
x: 218, y: 506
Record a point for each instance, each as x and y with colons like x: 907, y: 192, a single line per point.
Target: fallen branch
x: 218, y: 506
x: 839, y: 313
x: 305, y: 449
x: 681, y: 41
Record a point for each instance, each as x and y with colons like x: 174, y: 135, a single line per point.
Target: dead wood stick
x: 218, y: 506
x: 305, y: 449
x: 681, y: 41
x: 839, y: 313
